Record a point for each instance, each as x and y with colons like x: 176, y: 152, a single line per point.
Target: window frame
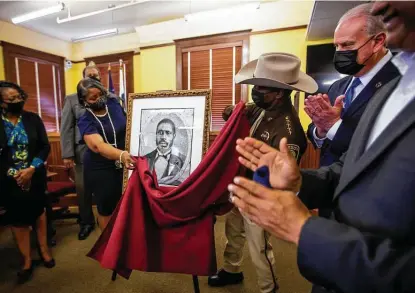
x: 240, y: 38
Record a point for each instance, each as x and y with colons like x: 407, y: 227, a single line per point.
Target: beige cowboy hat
x: 279, y: 70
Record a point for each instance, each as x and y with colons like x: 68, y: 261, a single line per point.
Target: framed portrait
x: 170, y: 129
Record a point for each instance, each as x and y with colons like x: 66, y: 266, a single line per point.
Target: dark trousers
x: 84, y: 198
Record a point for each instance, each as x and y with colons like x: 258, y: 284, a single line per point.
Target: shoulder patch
x: 294, y: 150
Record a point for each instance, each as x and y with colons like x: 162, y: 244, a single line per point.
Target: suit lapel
x: 386, y: 74
x: 354, y: 163
x: 342, y: 89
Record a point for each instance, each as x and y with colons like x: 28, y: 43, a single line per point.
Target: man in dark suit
x: 166, y: 164
x: 369, y: 67
x: 361, y: 54
x: 73, y: 153
x: 369, y: 244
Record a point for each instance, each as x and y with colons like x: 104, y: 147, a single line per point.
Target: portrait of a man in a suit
x: 166, y: 160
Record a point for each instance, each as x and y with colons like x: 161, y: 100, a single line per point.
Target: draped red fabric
x: 163, y: 229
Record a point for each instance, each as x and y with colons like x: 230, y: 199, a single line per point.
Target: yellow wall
x: 291, y: 41
x: 104, y: 46
x: 137, y: 73
x: 21, y: 36
x: 2, y: 73
x: 73, y: 76
x: 157, y: 69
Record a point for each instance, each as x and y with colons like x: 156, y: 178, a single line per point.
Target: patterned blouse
x: 18, y: 142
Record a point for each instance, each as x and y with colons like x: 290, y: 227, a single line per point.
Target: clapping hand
x: 322, y: 113
x: 280, y: 212
x: 283, y: 168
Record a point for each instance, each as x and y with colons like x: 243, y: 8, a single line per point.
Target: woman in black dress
x: 24, y: 147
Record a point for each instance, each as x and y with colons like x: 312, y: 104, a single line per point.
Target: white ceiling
x: 325, y: 16
x: 125, y: 19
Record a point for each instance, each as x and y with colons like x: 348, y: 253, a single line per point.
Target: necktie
x: 350, y: 93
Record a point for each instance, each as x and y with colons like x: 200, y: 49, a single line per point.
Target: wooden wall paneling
x: 48, y: 106
x: 185, y: 70
x: 27, y: 78
x: 222, y: 81
x: 200, y: 70
x: 128, y: 59
x: 234, y: 38
x: 10, y: 51
x: 115, y: 75
x: 55, y: 157
x: 311, y: 158
x: 238, y: 66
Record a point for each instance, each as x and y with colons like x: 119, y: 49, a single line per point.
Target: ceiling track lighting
x: 38, y: 13
x: 110, y: 8
x: 100, y: 34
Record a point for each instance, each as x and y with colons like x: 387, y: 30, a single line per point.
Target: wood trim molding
x: 216, y: 46
x: 213, y: 38
x: 110, y: 58
x: 32, y: 53
x: 157, y: 46
x: 137, y: 53
x: 240, y: 37
x: 276, y: 30
x: 125, y: 56
x: 77, y: 62
x: 10, y: 51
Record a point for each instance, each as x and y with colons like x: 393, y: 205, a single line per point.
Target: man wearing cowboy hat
x: 272, y: 117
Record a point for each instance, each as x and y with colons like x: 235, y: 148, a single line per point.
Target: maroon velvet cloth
x: 163, y: 229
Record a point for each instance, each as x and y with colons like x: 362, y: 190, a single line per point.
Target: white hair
x: 374, y: 24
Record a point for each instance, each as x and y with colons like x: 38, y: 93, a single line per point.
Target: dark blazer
x: 176, y: 161
x: 332, y: 150
x: 370, y: 246
x: 38, y: 146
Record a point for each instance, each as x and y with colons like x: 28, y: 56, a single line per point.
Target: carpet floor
x: 76, y: 273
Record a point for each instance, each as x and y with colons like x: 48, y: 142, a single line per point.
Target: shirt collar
x: 167, y: 154
x: 403, y: 61
x: 367, y: 77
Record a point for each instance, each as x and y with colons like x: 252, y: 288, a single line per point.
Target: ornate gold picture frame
x: 183, y: 114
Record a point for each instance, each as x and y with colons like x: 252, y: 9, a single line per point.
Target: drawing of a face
x: 165, y: 134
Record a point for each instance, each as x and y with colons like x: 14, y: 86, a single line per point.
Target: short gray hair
x: 87, y: 83
x: 374, y: 24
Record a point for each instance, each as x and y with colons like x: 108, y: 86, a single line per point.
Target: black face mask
x: 14, y: 108
x: 98, y: 105
x: 259, y: 99
x: 345, y: 62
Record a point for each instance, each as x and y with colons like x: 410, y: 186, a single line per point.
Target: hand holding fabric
x: 128, y: 161
x: 323, y: 115
x: 280, y: 212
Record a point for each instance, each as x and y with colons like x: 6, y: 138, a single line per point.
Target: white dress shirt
x: 403, y: 94
x: 364, y: 81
